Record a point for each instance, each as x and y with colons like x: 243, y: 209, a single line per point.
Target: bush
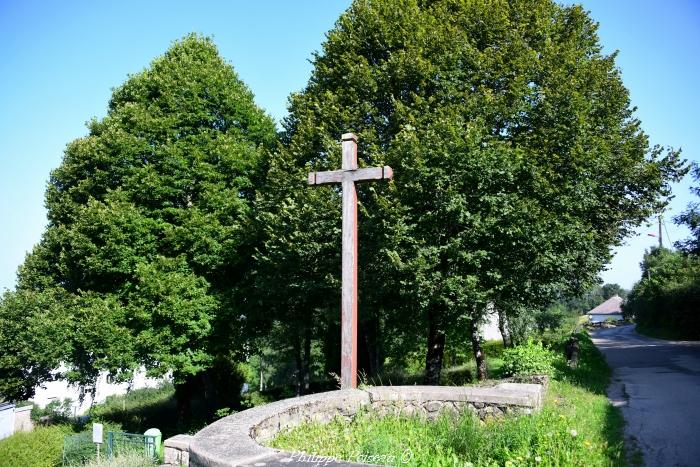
x: 139, y: 410
x: 665, y: 302
x: 39, y: 448
x: 530, y: 358
x: 55, y: 412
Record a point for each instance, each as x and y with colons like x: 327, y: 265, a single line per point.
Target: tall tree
x: 691, y: 219
x: 666, y: 299
x: 149, y: 223
x: 518, y: 160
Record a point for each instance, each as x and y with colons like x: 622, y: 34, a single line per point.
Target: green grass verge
x: 577, y: 426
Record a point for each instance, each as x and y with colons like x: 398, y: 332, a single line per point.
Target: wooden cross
x: 347, y: 176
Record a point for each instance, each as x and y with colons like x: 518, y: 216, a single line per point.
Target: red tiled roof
x: 610, y: 306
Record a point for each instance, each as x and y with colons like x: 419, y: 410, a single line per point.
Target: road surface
x: 657, y: 385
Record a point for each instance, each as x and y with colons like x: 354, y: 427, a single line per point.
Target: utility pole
x: 661, y: 238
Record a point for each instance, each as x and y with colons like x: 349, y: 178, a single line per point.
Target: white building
x: 61, y: 390
x: 609, y: 309
x: 489, y: 329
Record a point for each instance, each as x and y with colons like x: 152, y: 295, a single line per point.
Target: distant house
x: 609, y: 309
x: 82, y: 398
x: 14, y: 419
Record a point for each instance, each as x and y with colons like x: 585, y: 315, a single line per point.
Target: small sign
x: 97, y: 433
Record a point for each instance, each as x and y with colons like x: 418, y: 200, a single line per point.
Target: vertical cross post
x: 348, y: 352
x: 347, y: 176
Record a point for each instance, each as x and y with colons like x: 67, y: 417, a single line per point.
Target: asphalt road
x: 657, y: 385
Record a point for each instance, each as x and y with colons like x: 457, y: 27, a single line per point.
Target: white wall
x: 60, y: 390
x: 601, y: 318
x: 489, y: 330
x: 7, y: 420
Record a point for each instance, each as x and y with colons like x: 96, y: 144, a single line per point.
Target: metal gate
x: 119, y: 443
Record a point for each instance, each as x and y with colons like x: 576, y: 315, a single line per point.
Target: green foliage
x: 183, y: 237
x: 665, y: 303
x: 139, y: 410
x: 551, y: 317
x: 691, y: 219
x: 254, y: 399
x: 530, y: 358
x: 34, y: 336
x: 223, y: 412
x: 666, y: 300
x: 54, y: 412
x: 149, y: 232
x: 41, y: 447
x: 518, y: 163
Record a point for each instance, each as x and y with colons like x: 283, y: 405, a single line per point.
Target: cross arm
x: 359, y: 175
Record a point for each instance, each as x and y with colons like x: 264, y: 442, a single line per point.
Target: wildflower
x: 587, y: 443
x: 574, y: 433
x: 538, y: 459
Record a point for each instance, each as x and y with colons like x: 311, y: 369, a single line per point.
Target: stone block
x: 176, y: 450
x: 433, y: 406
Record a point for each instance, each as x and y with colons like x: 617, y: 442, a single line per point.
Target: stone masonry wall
x: 236, y: 440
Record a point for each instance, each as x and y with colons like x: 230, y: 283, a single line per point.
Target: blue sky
x: 59, y: 61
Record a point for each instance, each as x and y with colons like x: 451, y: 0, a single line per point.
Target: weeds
x: 577, y: 426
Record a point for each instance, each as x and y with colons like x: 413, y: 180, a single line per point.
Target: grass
x: 577, y: 426
x: 125, y: 460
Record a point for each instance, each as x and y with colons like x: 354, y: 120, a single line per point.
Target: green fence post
x: 110, y: 444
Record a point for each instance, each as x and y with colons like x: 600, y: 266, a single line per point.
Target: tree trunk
x: 306, y: 368
x: 183, y: 395
x: 370, y: 353
x: 299, y: 364
x: 481, y: 372
x: 436, y: 348
x: 507, y: 342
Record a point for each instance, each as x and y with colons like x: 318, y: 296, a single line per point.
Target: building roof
x: 610, y: 306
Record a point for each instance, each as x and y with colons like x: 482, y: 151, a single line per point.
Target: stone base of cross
x: 348, y: 176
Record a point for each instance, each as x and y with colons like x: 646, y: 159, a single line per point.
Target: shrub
x: 55, y: 412
x: 530, y: 358
x: 39, y: 448
x: 139, y: 410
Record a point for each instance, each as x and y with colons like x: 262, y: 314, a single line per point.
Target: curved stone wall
x: 236, y: 440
